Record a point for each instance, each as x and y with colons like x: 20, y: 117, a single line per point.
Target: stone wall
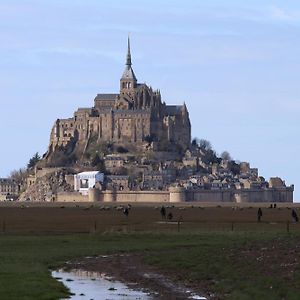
x: 137, y: 196
x: 180, y: 195
x: 40, y: 172
x: 209, y: 196
x: 284, y: 194
x: 71, y: 197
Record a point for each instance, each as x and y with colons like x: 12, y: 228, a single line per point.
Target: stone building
x: 134, y: 116
x: 112, y: 162
x: 8, y: 188
x: 117, y: 182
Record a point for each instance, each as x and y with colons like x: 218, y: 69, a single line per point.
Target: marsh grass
x: 202, y: 259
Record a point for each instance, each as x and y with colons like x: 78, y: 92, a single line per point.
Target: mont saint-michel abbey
x: 135, y: 114
x: 133, y: 147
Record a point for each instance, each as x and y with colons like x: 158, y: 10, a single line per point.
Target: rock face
x: 46, y: 187
x: 132, y: 118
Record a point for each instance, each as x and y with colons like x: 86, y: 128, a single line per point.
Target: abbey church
x: 131, y: 117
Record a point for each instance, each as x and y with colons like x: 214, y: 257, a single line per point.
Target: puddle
x: 86, y: 285
x: 93, y: 285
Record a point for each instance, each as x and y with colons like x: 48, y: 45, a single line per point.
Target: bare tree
x: 19, y: 176
x: 205, y: 144
x: 226, y: 155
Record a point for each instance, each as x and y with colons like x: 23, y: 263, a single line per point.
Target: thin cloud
x: 281, y: 14
x: 13, y: 9
x: 114, y: 55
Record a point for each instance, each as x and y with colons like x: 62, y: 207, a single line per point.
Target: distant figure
x: 126, y: 211
x: 271, y: 205
x: 295, y: 216
x: 259, y: 214
x: 170, y: 216
x: 275, y: 205
x: 163, y: 212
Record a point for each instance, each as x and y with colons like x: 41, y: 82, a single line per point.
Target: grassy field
x: 254, y: 261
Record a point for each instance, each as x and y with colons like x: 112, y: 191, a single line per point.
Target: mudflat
x: 62, y: 218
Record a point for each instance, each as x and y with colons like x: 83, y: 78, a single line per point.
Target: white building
x: 86, y: 180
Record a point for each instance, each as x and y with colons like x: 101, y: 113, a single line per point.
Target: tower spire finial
x: 128, y: 60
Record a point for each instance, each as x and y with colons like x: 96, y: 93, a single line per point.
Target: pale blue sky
x: 235, y: 64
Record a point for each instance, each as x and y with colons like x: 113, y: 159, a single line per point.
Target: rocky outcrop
x: 46, y: 187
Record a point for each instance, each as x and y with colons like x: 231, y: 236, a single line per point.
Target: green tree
x: 234, y: 167
x: 195, y: 142
x: 121, y: 149
x: 210, y: 157
x: 33, y: 161
x: 98, y: 163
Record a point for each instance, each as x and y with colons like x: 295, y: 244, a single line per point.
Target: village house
x: 8, y: 189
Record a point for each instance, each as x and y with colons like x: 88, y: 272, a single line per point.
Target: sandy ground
x: 62, y: 218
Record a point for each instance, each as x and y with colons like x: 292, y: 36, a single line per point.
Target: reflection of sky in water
x: 95, y: 285
x: 92, y: 285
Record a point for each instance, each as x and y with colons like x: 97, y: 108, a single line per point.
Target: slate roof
x: 7, y: 180
x: 106, y: 96
x: 128, y: 73
x: 173, y: 109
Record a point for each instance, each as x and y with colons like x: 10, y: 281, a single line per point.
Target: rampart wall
x: 178, y: 195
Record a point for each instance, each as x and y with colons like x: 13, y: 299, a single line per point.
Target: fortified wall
x: 180, y: 195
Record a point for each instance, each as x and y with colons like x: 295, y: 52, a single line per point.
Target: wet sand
x: 54, y: 218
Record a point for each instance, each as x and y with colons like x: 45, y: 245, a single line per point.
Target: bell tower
x: 128, y: 80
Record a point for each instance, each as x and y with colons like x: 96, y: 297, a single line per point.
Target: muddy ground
x: 277, y: 259
x: 131, y: 269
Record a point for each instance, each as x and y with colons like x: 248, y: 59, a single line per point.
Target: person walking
x: 126, y: 211
x: 295, y: 216
x: 259, y: 215
x: 163, y: 212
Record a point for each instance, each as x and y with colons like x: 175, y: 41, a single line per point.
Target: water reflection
x: 94, y: 285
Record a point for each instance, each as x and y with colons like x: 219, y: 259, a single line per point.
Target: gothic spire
x: 128, y: 60
x: 128, y: 73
